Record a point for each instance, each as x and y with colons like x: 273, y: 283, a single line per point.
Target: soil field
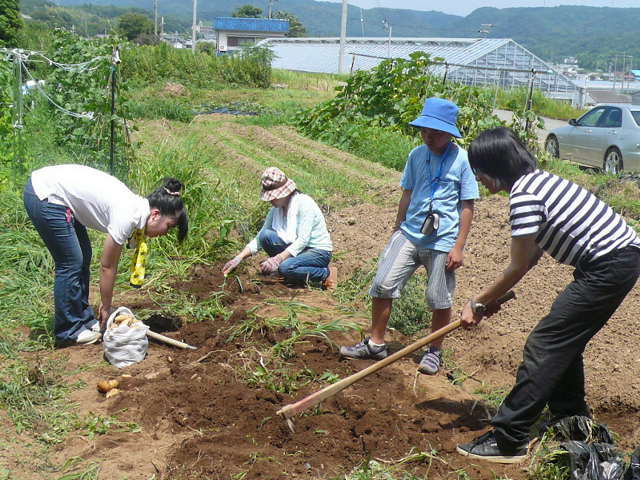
x: 211, y: 413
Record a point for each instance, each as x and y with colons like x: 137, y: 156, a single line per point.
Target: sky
x: 465, y: 7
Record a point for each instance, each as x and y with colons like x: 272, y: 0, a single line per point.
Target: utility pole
x: 193, y: 27
x: 155, y: 18
x: 269, y: 7
x: 161, y: 26
x: 343, y: 37
x: 362, y: 21
x: 388, y: 27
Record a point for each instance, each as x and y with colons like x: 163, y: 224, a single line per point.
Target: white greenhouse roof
x: 321, y: 55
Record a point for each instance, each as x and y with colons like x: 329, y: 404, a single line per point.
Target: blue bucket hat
x: 439, y: 114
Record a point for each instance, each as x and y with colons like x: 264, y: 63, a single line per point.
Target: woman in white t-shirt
x: 62, y: 201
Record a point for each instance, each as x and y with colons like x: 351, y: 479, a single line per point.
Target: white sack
x: 125, y: 345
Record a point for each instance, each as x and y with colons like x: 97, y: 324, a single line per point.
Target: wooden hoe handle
x: 292, y: 409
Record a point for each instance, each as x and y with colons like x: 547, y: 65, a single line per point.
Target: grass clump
x: 147, y: 64
x: 515, y: 99
x: 34, y: 397
x: 410, y: 312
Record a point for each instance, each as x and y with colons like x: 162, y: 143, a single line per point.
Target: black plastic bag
x: 581, y: 429
x: 594, y: 461
x: 633, y: 473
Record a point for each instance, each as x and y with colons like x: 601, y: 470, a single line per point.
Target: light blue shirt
x: 457, y: 182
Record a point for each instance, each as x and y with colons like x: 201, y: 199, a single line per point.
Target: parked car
x: 606, y: 137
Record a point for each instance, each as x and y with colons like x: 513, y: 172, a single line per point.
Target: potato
x: 123, y: 317
x: 105, y: 385
x: 112, y: 393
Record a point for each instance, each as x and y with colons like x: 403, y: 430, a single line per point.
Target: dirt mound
x: 235, y: 430
x: 173, y: 89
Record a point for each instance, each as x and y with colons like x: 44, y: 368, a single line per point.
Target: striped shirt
x: 569, y: 222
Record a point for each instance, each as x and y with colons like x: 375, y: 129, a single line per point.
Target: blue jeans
x: 309, y: 266
x: 68, y: 243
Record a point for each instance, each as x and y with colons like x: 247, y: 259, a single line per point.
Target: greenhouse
x: 499, y: 62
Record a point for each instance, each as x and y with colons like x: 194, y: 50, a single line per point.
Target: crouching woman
x: 62, y: 201
x: 294, y: 235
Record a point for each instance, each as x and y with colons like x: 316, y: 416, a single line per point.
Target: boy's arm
x: 403, y: 206
x: 456, y: 255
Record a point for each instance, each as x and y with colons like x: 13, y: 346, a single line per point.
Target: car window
x: 612, y: 118
x: 591, y: 118
x: 636, y: 116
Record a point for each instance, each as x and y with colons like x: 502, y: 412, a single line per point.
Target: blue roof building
x: 233, y: 33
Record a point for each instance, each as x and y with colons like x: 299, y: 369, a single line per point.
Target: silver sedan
x: 606, y: 137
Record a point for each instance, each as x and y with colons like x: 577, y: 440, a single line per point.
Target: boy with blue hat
x: 432, y: 224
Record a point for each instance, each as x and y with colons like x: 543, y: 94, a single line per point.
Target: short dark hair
x: 500, y: 154
x: 167, y: 199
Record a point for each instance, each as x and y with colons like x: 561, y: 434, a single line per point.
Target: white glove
x: 231, y: 264
x: 270, y: 264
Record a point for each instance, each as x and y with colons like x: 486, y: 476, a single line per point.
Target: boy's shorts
x: 400, y: 259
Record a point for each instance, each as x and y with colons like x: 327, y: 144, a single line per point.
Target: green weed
x: 410, y: 313
x: 279, y: 378
x: 550, y: 462
x: 99, y: 425
x: 353, y: 292
x: 147, y: 64
x: 515, y: 99
x: 73, y: 471
x: 492, y: 397
x: 35, y: 400
x: 394, y: 470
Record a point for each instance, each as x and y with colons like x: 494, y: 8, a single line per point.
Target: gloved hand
x: 231, y: 265
x: 270, y: 265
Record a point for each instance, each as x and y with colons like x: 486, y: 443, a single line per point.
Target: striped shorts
x: 400, y: 259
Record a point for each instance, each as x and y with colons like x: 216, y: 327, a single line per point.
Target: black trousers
x: 552, y: 370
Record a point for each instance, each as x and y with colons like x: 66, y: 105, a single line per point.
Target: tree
x: 296, y: 28
x: 10, y: 22
x: 132, y: 25
x: 247, y: 11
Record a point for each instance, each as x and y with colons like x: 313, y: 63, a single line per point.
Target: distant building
x: 234, y: 33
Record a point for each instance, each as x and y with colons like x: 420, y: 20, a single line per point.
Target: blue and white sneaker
x: 365, y: 351
x: 431, y: 361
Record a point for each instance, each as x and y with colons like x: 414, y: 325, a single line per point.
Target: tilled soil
x: 211, y: 413
x: 202, y: 418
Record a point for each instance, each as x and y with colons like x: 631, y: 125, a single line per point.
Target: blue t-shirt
x: 457, y: 182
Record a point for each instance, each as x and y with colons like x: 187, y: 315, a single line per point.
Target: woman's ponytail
x: 168, y: 200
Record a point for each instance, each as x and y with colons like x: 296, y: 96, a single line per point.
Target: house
x: 234, y: 33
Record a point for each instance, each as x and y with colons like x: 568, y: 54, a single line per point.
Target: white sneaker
x: 95, y: 326
x: 86, y: 336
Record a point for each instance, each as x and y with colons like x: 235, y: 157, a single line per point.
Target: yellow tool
x: 139, y: 258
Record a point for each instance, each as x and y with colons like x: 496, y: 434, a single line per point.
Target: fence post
x: 446, y: 71
x: 115, y: 59
x: 529, y: 102
x: 19, y: 115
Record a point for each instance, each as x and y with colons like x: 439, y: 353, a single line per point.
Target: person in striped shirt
x: 553, y: 215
